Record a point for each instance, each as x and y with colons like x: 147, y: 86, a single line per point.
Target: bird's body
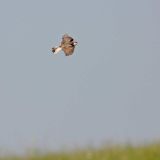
x: 67, y: 45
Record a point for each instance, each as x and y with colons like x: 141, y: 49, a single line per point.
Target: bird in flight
x: 67, y: 45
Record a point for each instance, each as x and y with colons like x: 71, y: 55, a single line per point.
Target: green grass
x: 116, y: 152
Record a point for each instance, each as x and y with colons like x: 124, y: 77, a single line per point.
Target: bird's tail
x: 56, y: 50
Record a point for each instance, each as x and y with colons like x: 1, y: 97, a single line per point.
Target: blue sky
x: 107, y: 91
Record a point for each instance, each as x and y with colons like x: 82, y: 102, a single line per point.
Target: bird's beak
x: 75, y: 43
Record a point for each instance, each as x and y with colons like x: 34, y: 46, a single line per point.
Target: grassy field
x: 127, y: 152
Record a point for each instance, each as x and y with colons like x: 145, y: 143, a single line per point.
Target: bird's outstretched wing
x: 66, y: 39
x: 68, y: 49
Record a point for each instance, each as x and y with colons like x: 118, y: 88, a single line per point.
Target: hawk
x: 67, y: 45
